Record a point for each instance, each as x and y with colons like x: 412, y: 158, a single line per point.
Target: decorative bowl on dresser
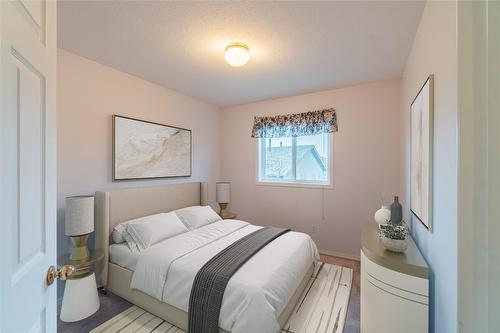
x: 394, y: 287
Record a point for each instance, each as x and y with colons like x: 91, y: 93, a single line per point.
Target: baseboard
x: 340, y: 254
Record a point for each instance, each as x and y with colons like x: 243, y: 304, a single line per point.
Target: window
x: 295, y: 160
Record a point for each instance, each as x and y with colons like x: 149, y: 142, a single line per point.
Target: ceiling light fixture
x: 237, y: 54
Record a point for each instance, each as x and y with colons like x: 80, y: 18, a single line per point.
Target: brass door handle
x: 62, y: 273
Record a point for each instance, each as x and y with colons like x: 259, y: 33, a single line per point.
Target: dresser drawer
x: 392, y: 302
x: 387, y: 312
x: 395, y: 280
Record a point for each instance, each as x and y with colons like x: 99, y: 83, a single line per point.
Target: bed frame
x: 116, y: 206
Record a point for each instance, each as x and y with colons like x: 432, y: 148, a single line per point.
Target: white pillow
x: 120, y: 235
x: 197, y: 216
x: 132, y: 245
x: 117, y: 233
x: 152, y: 229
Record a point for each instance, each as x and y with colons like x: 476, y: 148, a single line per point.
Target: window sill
x: 293, y: 184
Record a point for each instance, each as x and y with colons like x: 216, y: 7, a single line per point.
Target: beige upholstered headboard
x: 116, y: 206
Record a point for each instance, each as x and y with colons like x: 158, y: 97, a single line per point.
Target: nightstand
x: 80, y: 298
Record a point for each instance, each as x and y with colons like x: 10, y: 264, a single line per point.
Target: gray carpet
x: 352, y: 320
x: 111, y: 305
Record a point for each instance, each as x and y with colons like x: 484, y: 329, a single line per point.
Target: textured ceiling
x: 296, y: 47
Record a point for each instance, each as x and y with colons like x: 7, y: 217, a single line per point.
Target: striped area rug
x: 322, y: 308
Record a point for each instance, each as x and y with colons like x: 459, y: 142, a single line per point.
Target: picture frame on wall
x: 148, y: 150
x: 421, y: 143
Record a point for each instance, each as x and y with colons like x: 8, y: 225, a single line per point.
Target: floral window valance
x: 299, y: 124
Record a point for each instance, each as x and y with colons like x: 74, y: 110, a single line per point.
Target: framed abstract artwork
x: 147, y: 150
x: 421, y: 142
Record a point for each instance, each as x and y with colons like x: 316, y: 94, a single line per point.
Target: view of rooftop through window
x: 302, y: 159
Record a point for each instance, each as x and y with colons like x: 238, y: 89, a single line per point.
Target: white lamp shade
x: 223, y: 192
x: 79, y: 215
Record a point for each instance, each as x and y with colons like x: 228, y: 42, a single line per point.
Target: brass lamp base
x: 224, y: 213
x: 79, y: 248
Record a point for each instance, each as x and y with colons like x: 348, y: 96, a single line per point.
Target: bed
x: 270, y: 283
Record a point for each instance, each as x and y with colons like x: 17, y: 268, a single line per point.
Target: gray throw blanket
x: 211, y: 280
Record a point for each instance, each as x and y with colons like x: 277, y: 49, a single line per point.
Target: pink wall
x: 365, y: 161
x: 88, y: 94
x: 366, y: 157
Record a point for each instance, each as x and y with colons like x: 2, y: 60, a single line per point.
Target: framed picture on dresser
x: 421, y: 142
x: 148, y: 150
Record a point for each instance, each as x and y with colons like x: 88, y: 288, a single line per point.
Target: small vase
x: 383, y: 215
x: 396, y: 212
x: 395, y: 245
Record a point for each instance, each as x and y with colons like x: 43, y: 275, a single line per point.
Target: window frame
x: 260, y: 142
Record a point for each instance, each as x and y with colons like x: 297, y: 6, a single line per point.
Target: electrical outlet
x: 313, y: 228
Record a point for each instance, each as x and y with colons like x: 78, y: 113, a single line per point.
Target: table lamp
x: 79, y: 224
x: 223, y: 190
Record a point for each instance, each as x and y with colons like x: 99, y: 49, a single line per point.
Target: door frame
x: 479, y: 166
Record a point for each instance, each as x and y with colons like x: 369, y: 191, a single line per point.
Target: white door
x: 28, y: 51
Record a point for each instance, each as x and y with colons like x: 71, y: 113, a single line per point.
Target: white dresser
x: 394, y: 287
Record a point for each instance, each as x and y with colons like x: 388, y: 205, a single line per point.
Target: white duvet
x: 257, y: 292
